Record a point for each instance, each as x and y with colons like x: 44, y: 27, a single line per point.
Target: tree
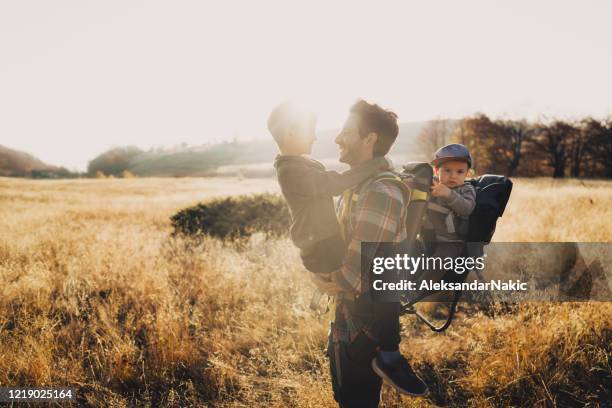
x: 478, y: 134
x: 514, y: 134
x: 554, y: 141
x: 577, y: 145
x: 435, y: 134
x: 596, y: 156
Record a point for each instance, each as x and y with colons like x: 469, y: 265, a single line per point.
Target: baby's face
x: 452, y: 174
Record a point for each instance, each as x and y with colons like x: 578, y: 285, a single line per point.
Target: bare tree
x: 596, y: 156
x: 514, y: 133
x: 435, y: 134
x: 478, y: 133
x: 554, y: 141
x: 578, y: 143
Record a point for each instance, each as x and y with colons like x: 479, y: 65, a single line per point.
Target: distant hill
x: 191, y: 161
x: 254, y: 156
x: 249, y: 158
x: 15, y: 163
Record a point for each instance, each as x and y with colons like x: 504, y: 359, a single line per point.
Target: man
x: 377, y: 215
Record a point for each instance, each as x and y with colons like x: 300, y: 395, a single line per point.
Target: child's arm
x: 464, y: 203
x: 326, y: 183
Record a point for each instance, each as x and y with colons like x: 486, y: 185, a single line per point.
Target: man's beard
x: 347, y: 156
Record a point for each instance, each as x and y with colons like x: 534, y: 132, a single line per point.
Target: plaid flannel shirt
x: 377, y: 216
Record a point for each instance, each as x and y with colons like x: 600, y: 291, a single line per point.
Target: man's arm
x: 378, y: 215
x: 310, y: 182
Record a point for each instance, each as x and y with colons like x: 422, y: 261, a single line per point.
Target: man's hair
x: 373, y: 118
x: 284, y: 117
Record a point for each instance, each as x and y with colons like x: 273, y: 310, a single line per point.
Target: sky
x: 78, y: 77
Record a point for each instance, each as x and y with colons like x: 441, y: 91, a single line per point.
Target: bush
x: 234, y: 217
x: 54, y: 173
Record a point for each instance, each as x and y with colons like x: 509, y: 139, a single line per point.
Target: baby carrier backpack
x: 492, y: 195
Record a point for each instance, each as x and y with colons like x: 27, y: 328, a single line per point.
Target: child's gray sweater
x: 309, y: 189
x: 448, y: 217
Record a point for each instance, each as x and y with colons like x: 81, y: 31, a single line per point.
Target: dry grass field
x: 95, y: 294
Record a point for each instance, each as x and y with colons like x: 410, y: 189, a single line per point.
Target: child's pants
x: 325, y: 256
x: 387, y: 316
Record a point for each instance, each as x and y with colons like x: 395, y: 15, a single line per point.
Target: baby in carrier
x: 309, y: 188
x: 453, y: 200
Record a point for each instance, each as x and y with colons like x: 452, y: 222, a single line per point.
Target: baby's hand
x: 440, y: 190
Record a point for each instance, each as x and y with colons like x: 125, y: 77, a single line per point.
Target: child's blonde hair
x: 285, y: 117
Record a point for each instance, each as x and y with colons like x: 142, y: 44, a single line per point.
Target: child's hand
x: 440, y: 190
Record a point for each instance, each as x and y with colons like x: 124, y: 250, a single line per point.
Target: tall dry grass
x: 94, y: 294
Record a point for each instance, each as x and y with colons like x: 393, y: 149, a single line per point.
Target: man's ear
x: 371, y: 138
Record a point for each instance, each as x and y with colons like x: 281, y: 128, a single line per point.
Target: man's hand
x: 325, y: 284
x: 440, y: 190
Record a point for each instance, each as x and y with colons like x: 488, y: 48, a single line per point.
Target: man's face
x: 452, y: 173
x: 353, y: 148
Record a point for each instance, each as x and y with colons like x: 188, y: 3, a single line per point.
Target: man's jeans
x: 354, y: 382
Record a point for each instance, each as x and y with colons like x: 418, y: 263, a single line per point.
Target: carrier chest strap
x: 448, y: 220
x: 437, y: 208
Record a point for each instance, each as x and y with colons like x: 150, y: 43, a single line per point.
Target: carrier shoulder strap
x: 350, y: 197
x: 387, y: 175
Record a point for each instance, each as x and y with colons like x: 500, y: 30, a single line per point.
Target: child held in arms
x: 309, y: 188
